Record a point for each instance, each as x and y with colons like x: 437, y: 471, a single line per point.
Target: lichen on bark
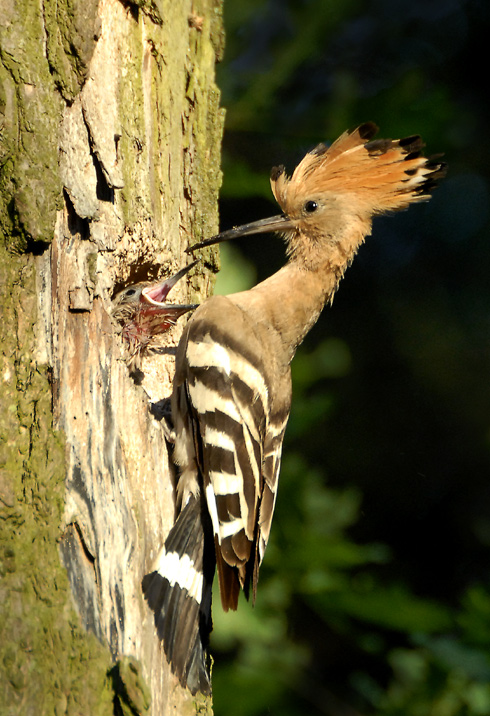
x: 72, y: 29
x: 30, y: 187
x: 46, y: 658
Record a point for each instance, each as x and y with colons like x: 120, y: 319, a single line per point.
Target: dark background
x: 374, y: 596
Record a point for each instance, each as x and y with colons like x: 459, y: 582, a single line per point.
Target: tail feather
x: 179, y: 593
x: 229, y: 586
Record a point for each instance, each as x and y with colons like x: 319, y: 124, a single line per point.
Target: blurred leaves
x: 331, y: 358
x: 392, y: 607
x: 238, y: 274
x: 374, y: 594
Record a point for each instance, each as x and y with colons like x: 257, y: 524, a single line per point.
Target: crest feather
x: 384, y: 174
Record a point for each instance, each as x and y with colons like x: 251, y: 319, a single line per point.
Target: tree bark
x: 109, y: 167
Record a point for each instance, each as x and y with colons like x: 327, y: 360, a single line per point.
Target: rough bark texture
x: 109, y: 166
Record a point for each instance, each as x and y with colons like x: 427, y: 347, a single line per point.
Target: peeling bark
x: 109, y: 171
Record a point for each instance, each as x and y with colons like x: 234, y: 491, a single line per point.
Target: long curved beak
x: 273, y: 223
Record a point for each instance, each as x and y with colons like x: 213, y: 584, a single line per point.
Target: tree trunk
x: 109, y: 168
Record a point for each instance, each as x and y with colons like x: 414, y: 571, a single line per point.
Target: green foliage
x: 239, y: 274
x: 437, y: 675
x: 374, y: 594
x: 240, y: 180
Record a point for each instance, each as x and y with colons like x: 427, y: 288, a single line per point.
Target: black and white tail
x: 179, y: 593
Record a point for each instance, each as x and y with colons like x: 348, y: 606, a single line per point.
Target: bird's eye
x: 130, y: 291
x: 310, y: 206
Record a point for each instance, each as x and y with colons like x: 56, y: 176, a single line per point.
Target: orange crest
x: 383, y: 174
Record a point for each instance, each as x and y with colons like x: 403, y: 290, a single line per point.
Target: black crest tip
x: 367, y: 130
x: 434, y: 162
x: 378, y: 146
x: 416, y: 154
x: 276, y: 172
x: 411, y: 143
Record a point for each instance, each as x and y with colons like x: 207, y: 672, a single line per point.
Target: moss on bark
x: 48, y: 664
x: 30, y: 188
x: 72, y: 29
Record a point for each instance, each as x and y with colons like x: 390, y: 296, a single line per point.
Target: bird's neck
x: 291, y: 300
x: 289, y: 303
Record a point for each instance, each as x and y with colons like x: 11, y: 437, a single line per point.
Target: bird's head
x: 315, y: 218
x: 335, y: 191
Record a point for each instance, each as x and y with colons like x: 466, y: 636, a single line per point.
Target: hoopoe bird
x: 232, y: 388
x: 142, y: 313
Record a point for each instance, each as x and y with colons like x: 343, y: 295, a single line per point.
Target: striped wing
x: 229, y: 393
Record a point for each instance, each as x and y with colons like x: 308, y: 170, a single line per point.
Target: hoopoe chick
x: 142, y: 313
x: 232, y: 388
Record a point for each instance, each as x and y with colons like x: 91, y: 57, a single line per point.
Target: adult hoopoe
x: 232, y: 387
